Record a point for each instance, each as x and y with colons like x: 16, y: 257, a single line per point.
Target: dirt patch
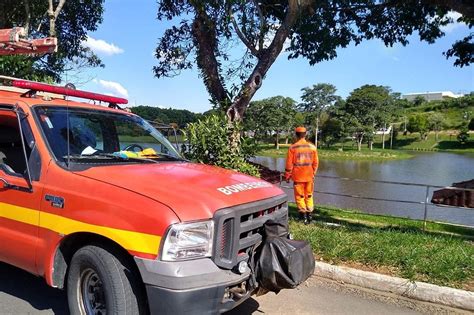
x: 267, y: 174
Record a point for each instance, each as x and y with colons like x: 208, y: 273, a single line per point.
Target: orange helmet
x: 300, y: 129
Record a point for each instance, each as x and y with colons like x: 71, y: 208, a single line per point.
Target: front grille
x: 240, y: 228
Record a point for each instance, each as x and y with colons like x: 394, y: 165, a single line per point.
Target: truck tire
x: 100, y: 282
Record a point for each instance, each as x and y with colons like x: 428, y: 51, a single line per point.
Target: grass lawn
x: 347, y: 154
x: 447, y: 141
x: 442, y: 255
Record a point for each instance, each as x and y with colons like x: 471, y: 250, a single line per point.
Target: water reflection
x: 441, y: 169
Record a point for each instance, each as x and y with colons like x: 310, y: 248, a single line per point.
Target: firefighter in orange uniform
x: 301, y: 166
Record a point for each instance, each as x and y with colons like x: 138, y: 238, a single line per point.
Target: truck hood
x: 193, y: 191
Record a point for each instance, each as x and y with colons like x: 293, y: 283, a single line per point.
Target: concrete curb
x: 416, y: 290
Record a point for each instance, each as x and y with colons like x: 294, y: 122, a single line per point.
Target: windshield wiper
x: 111, y: 155
x: 171, y: 157
x: 105, y: 156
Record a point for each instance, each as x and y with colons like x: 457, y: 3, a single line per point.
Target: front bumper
x: 192, y: 287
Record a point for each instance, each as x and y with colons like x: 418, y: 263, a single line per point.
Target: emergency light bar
x: 42, y: 87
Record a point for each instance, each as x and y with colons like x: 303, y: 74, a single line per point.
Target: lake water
x: 439, y: 169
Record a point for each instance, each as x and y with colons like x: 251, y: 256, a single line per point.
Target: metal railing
x: 425, y: 203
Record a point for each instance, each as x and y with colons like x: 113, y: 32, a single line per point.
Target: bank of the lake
x: 443, y: 255
x: 430, y: 168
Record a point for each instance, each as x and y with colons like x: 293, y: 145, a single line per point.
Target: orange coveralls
x: 301, y: 166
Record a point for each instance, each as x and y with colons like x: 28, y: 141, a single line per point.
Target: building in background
x: 431, y: 96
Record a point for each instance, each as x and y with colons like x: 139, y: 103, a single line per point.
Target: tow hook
x: 238, y: 291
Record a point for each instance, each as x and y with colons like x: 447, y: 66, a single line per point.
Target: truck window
x: 12, y: 158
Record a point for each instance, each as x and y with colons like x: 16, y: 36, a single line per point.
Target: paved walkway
x: 22, y: 293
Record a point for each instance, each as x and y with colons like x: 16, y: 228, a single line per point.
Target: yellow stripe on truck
x: 15, y: 213
x: 133, y: 241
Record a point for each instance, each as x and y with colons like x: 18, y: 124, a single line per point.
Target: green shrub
x: 463, y: 136
x: 208, y: 143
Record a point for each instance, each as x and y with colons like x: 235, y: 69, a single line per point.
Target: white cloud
x: 395, y: 58
x: 100, y: 46
x: 114, y: 88
x: 454, y: 16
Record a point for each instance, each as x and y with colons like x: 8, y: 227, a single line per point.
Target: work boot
x: 301, y: 216
x: 309, y: 218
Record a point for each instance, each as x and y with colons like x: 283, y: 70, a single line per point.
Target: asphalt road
x: 22, y: 293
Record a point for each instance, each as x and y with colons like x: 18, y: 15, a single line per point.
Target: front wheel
x: 101, y: 282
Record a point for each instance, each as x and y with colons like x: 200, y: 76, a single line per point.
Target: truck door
x: 20, y: 189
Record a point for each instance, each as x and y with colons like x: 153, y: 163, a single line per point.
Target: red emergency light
x: 42, y: 87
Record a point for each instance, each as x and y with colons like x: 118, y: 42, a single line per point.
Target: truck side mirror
x: 8, y: 181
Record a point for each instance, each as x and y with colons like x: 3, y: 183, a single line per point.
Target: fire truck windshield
x: 98, y: 134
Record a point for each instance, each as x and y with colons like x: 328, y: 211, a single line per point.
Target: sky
x: 127, y: 39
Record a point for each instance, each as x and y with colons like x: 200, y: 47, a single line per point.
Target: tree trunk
x: 204, y: 39
x: 317, y: 132
x: 391, y: 137
x: 53, y: 16
x: 383, y: 137
x: 359, y: 143
x: 277, y: 140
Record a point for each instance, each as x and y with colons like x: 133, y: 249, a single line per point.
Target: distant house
x: 385, y: 131
x: 431, y: 96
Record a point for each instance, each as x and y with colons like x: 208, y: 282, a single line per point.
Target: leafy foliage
x: 418, y: 123
x: 471, y: 124
x: 181, y: 117
x: 234, y: 43
x: 435, y: 123
x: 367, y: 108
x: 271, y: 115
x: 332, y: 131
x: 317, y: 100
x: 208, y: 143
x: 463, y: 136
x: 75, y: 20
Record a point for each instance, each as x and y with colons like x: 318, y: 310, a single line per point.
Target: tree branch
x: 261, y: 37
x: 265, y: 60
x: 465, y: 7
x: 53, y: 15
x: 28, y: 16
x: 59, y: 8
x: 242, y: 37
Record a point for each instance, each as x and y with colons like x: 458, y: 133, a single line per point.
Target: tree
x: 418, y: 100
x: 435, y: 123
x: 208, y: 32
x: 463, y: 135
x: 316, y: 100
x: 68, y: 20
x: 332, y: 131
x: 367, y: 108
x: 418, y: 123
x: 272, y: 115
x: 471, y: 124
x: 181, y: 117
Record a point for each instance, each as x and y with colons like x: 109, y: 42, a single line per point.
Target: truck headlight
x: 188, y: 241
